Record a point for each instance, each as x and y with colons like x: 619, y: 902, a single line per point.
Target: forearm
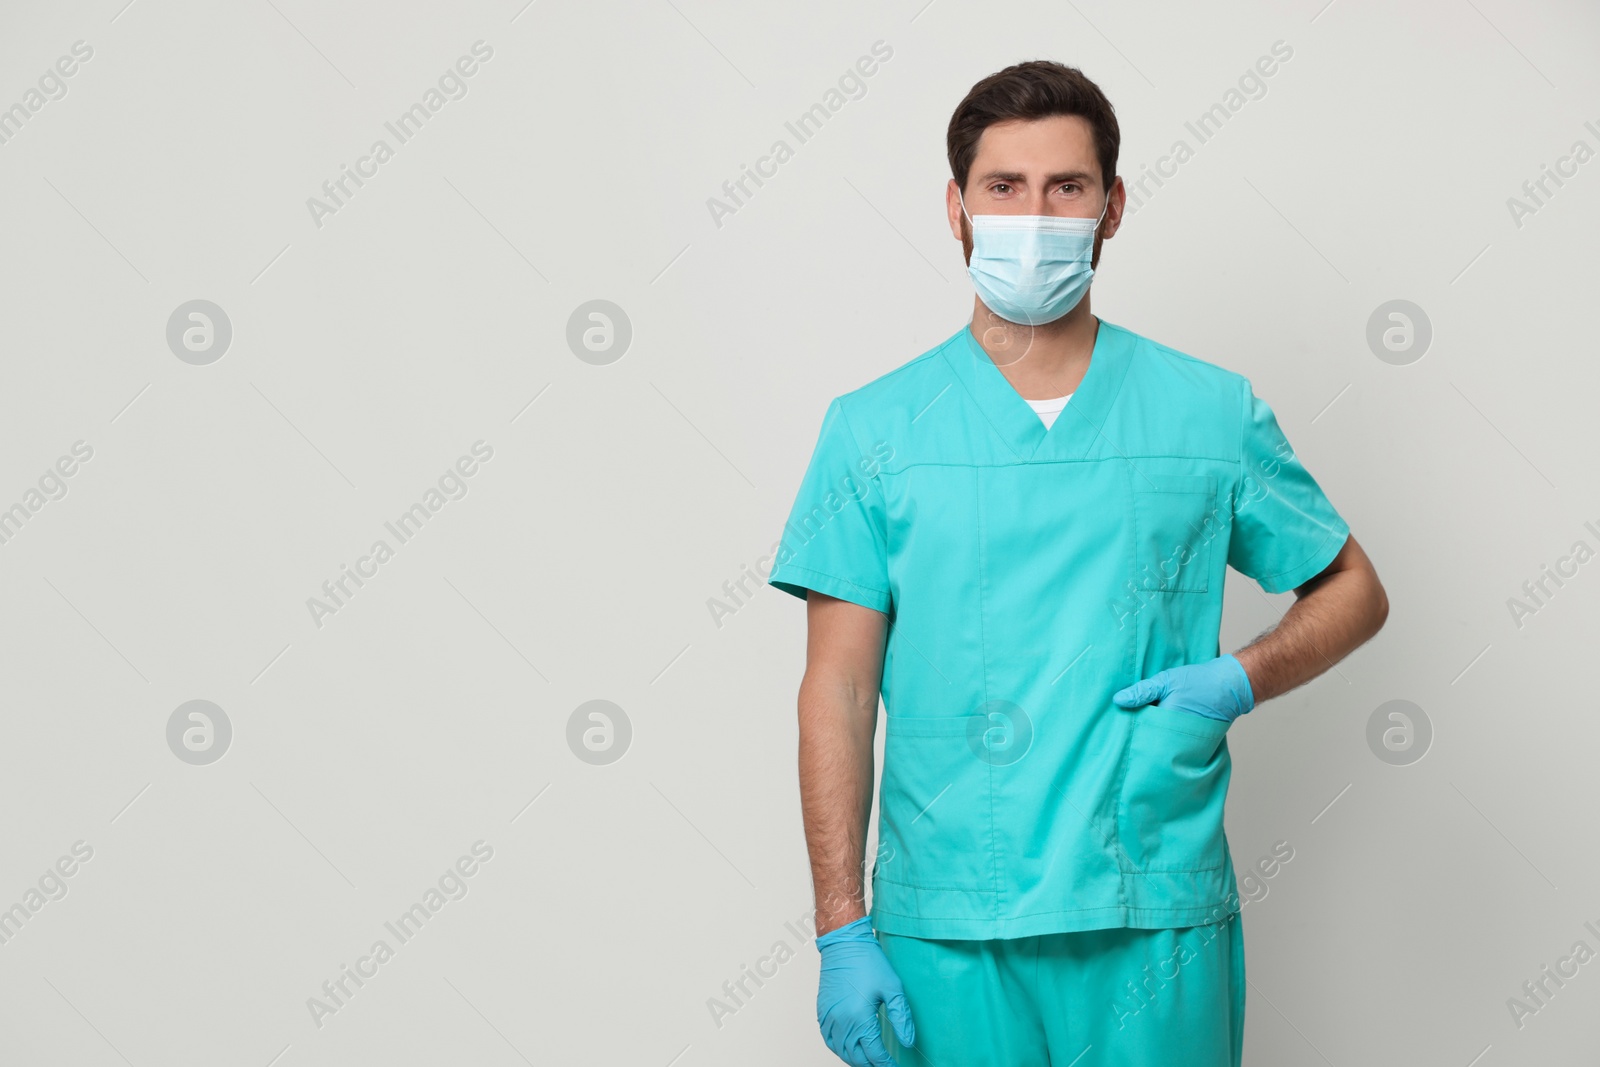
x: 837, y: 723
x: 1331, y: 619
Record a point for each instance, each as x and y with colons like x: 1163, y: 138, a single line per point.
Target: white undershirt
x: 1049, y: 409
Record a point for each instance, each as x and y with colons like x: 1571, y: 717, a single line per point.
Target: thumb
x: 1140, y: 693
x: 899, y: 1010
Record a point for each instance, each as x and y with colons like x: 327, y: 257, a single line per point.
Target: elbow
x: 1380, y: 605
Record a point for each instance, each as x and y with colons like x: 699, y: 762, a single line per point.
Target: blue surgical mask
x: 1031, y: 269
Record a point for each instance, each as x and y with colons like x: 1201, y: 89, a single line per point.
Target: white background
x: 369, y: 352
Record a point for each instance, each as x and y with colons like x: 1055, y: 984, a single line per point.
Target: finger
x: 1140, y: 693
x: 852, y: 1051
x: 900, y: 1018
x: 838, y: 1034
x: 872, y: 1047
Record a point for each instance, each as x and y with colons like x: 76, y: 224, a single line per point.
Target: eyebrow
x: 1016, y: 177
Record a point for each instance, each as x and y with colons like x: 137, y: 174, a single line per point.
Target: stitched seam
x: 1130, y: 657
x: 973, y: 398
x: 940, y: 888
x: 1181, y: 909
x: 983, y: 652
x: 1117, y: 817
x: 1301, y: 565
x: 1170, y: 585
x: 1185, y: 733
x: 791, y: 568
x: 1053, y: 462
x: 879, y: 534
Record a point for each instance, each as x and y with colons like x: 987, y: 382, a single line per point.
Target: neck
x: 1040, y: 362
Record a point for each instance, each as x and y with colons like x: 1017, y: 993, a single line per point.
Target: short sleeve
x: 1285, y: 530
x: 835, y: 540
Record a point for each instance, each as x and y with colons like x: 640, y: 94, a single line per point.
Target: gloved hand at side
x: 856, y: 978
x: 1217, y: 689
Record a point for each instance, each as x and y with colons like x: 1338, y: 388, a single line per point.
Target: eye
x: 1000, y: 187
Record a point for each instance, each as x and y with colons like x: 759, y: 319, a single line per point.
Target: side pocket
x: 1175, y: 520
x: 1175, y: 790
x: 933, y: 804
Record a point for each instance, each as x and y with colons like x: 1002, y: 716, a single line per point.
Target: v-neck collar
x: 1079, y: 423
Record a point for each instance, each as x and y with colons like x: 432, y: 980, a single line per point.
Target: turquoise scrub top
x: 1027, y: 575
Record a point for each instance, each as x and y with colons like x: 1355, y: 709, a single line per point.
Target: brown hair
x: 1033, y: 90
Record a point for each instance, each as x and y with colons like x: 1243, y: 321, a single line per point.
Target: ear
x: 1119, y: 201
x: 952, y: 209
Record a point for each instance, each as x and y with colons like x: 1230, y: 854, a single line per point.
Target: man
x: 1020, y: 540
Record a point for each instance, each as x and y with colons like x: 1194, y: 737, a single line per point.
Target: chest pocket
x: 1174, y: 522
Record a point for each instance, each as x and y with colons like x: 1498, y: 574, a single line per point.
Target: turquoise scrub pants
x: 1096, y: 998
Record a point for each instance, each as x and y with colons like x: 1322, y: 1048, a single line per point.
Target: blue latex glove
x: 856, y: 978
x: 1218, y: 689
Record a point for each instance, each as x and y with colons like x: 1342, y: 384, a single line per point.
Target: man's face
x: 1041, y: 167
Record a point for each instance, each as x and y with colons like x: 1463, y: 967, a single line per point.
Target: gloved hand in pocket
x: 1216, y: 689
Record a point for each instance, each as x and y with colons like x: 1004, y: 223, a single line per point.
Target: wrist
x: 836, y: 908
x: 1243, y: 690
x: 854, y: 930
